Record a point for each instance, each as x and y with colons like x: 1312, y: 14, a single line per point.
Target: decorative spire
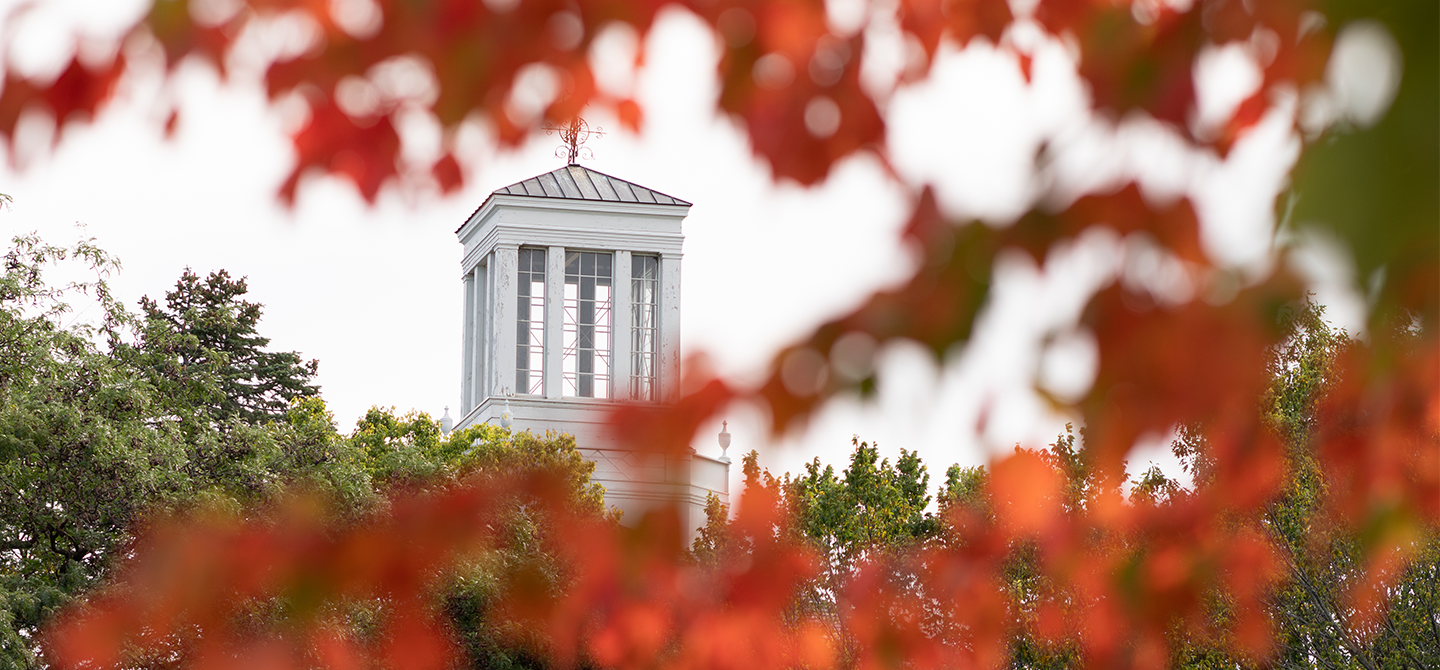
x: 575, y: 134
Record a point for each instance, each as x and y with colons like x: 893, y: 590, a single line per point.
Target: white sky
x: 375, y: 293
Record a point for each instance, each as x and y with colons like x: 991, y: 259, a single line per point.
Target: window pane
x: 585, y: 360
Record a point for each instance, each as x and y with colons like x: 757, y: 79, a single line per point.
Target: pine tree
x: 203, y: 351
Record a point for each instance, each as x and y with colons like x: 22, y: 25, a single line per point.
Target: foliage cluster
x: 1362, y: 470
x: 107, y: 430
x: 516, y: 557
x: 871, y: 521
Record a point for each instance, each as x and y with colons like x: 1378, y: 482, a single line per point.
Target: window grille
x: 589, y: 285
x: 644, y: 297
x: 530, y: 323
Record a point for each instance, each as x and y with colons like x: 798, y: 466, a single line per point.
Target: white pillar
x: 620, y: 319
x: 669, y: 327
x: 554, y: 320
x: 478, y: 343
x: 467, y: 347
x: 490, y: 353
x: 507, y: 259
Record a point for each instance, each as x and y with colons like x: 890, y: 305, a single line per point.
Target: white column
x: 478, y: 342
x: 620, y: 328
x: 467, y: 347
x: 490, y: 353
x: 554, y: 320
x: 507, y: 259
x: 669, y: 327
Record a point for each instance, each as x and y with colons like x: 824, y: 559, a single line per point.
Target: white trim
x: 506, y: 294
x: 669, y: 318
x: 521, y: 202
x: 467, y: 345
x: 481, y: 321
x: 620, y: 328
x: 554, y: 321
x: 491, y: 344
x: 595, y: 239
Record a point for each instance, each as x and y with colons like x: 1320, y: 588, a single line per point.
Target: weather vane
x: 575, y: 134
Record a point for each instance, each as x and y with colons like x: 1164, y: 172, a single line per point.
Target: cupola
x: 572, y: 304
x: 572, y: 295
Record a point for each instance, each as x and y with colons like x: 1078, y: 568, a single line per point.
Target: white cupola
x: 572, y: 294
x: 572, y: 303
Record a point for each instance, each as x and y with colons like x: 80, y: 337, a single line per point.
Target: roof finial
x: 575, y: 134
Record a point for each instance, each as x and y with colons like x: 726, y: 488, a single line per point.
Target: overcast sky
x: 374, y: 293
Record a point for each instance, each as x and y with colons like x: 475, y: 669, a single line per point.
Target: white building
x: 572, y: 304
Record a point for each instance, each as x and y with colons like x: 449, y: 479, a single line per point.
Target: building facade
x: 572, y: 304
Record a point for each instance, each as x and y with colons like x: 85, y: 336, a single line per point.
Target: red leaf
x: 669, y: 429
x: 1026, y: 494
x: 1246, y: 116
x: 797, y: 89
x: 963, y: 20
x: 76, y: 94
x: 1124, y: 211
x: 631, y: 116
x: 1153, y: 372
x: 332, y: 141
x: 447, y: 172
x: 1379, y: 432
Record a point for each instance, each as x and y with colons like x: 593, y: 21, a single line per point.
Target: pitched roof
x: 576, y: 182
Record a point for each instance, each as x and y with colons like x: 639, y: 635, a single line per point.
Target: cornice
x: 666, y: 245
x: 496, y: 201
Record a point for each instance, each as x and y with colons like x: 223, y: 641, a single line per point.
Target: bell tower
x: 572, y: 304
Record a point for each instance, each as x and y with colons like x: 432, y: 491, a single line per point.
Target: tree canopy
x: 867, y: 525
x: 202, y: 349
x: 1368, y: 175
x: 100, y: 444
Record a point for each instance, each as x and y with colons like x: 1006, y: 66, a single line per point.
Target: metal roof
x: 576, y: 182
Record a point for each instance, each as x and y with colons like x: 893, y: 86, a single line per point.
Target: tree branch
x: 11, y: 545
x: 76, y: 554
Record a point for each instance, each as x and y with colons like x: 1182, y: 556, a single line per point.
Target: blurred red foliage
x: 636, y: 602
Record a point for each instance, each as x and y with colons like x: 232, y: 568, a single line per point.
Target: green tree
x: 410, y: 451
x: 525, y: 563
x: 872, y: 506
x: 965, y: 503
x: 1316, y: 623
x: 203, y: 351
x: 91, y: 442
x: 401, y: 450
x: 310, y: 453
x: 866, y: 515
x: 715, y: 543
x: 81, y: 454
